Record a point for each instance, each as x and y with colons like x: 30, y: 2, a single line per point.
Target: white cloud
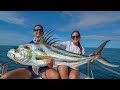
x: 94, y: 37
x: 117, y: 32
x: 90, y: 18
x: 62, y: 37
x: 10, y: 38
x: 12, y: 17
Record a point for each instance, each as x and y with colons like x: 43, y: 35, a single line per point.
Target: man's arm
x: 50, y: 62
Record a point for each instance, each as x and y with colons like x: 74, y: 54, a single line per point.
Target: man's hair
x: 38, y: 25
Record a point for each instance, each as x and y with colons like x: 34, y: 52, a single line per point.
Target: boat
x: 82, y: 76
x: 4, y: 67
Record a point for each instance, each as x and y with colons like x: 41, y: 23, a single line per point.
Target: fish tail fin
x: 97, y: 55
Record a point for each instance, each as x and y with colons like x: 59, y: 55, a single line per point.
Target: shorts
x: 41, y: 70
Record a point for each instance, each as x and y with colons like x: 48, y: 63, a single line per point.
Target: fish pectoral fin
x: 74, y: 67
x: 35, y: 69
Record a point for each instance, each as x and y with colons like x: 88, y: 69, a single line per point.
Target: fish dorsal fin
x: 41, y: 40
x: 47, y: 38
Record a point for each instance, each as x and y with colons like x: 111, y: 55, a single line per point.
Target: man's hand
x: 17, y: 62
x: 50, y: 62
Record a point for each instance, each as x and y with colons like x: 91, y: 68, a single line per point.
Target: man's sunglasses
x: 36, y: 30
x: 75, y: 36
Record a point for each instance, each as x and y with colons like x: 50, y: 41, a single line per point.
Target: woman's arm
x: 60, y: 44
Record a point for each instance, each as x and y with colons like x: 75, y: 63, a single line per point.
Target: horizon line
x: 84, y: 47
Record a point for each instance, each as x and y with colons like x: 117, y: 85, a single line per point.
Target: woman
x: 75, y: 47
x: 27, y: 73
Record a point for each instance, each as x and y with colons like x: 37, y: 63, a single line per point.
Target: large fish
x: 36, y: 55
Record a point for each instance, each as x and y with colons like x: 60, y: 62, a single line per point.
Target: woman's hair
x: 38, y: 25
x: 76, y: 32
x: 79, y: 45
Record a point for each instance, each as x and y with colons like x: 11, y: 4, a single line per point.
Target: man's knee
x: 21, y: 73
x: 5, y: 76
x: 56, y: 75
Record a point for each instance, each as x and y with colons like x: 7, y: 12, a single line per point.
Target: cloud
x: 12, y: 17
x: 117, y: 32
x: 10, y: 38
x: 86, y: 19
x: 62, y: 37
x: 94, y: 37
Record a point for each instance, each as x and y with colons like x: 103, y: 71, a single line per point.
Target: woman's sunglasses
x: 73, y: 37
x: 36, y: 30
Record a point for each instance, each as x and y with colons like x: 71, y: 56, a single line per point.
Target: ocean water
x: 110, y: 54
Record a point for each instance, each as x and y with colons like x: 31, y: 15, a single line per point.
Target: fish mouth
x: 11, y: 55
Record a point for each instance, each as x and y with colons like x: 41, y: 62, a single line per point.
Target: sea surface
x: 110, y: 54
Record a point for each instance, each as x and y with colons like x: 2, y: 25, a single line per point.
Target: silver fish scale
x: 55, y: 54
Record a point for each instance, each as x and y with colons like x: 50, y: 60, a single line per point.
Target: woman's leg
x: 50, y: 74
x: 74, y: 74
x: 63, y: 71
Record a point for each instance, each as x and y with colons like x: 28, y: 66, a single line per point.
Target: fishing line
x: 101, y: 74
x: 96, y: 70
x: 115, y: 72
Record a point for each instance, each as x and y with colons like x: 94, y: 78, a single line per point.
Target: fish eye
x: 26, y: 47
x: 16, y: 50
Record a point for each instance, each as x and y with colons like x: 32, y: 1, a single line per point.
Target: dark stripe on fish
x: 62, y: 53
x: 68, y: 61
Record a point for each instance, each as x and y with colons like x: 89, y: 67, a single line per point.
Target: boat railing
x: 3, y: 69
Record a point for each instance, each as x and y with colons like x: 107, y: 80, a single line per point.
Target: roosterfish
x: 36, y: 54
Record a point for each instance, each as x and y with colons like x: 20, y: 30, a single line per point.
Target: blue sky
x: 16, y: 27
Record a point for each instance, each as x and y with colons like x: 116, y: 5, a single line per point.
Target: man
x: 27, y: 73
